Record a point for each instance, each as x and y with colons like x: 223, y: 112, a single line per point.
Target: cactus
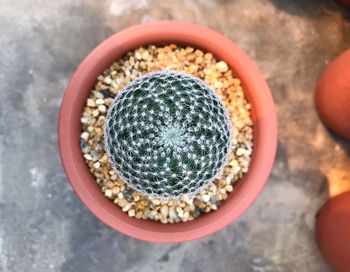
x: 167, y: 135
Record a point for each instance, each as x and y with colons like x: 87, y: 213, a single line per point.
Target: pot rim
x: 264, y: 130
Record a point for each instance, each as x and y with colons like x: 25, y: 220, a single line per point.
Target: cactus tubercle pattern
x: 167, y: 135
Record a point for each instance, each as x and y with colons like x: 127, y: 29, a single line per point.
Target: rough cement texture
x: 43, y: 225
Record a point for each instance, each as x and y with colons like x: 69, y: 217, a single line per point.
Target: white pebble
x: 205, y: 198
x: 85, y: 136
x: 114, y: 177
x: 88, y: 157
x: 84, y: 120
x: 108, y: 80
x: 97, y: 165
x: 102, y: 108
x: 172, y: 214
x: 164, y: 210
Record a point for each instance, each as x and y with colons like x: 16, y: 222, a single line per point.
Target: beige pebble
x: 100, y: 101
x: 139, y: 214
x: 236, y: 82
x: 145, y: 55
x: 98, y: 95
x: 189, y: 201
x: 135, y: 194
x: 198, y: 53
x: 91, y: 103
x: 95, y: 113
x: 144, y: 202
x: 240, y: 151
x: 121, y: 196
x: 127, y: 207
x: 108, y: 101
x: 233, y: 163
x: 138, y: 55
x: 123, y: 202
x: 208, y: 56
x: 185, y: 216
x: 97, y: 165
x: 201, y: 205
x: 218, y: 84
x: 164, y: 210
x: 115, y: 190
x: 229, y: 188
x: 155, y: 201
x: 109, y: 193
x: 180, y: 212
x: 221, y: 66
x: 131, y: 212
x: 235, y: 170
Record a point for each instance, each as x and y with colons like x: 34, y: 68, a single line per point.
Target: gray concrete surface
x: 43, y: 225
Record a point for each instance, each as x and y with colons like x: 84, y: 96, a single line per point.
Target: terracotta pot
x: 263, y: 114
x: 332, y: 96
x: 333, y: 232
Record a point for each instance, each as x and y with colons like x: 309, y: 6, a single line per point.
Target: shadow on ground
x: 310, y: 8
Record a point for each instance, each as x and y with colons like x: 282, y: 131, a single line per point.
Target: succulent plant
x: 167, y: 135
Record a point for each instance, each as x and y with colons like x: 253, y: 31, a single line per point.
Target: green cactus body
x: 167, y: 135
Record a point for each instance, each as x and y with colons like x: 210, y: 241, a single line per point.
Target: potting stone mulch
x: 201, y: 64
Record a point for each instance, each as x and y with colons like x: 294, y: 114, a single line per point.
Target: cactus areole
x: 167, y: 135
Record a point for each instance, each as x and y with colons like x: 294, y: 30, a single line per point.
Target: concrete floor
x: 43, y: 225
